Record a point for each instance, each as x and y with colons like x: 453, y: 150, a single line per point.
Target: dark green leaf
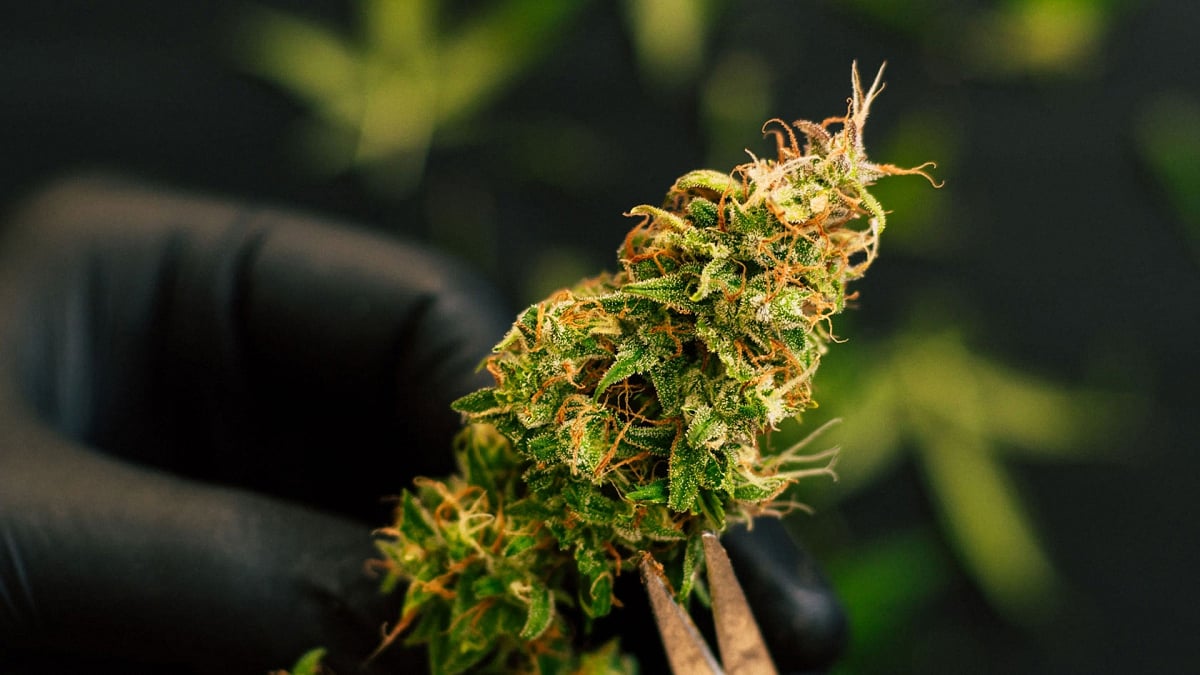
x: 414, y: 520
x: 713, y: 509
x: 488, y: 586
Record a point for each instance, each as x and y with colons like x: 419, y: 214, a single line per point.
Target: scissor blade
x: 743, y: 651
x: 686, y: 650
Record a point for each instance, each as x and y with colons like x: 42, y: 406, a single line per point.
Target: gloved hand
x: 201, y: 405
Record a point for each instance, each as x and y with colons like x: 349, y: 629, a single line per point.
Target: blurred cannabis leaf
x: 669, y: 37
x: 308, y: 664
x: 963, y: 418
x: 1003, y: 38
x: 1168, y: 134
x: 379, y: 95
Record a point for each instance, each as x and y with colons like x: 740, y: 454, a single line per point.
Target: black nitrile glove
x: 201, y: 406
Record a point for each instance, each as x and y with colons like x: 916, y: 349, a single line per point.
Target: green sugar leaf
x: 703, y: 212
x: 310, y: 663
x: 415, y: 522
x: 667, y: 218
x: 541, y: 612
x: 595, y: 592
x: 719, y: 274
x: 668, y: 380
x: 590, y: 505
x: 487, y: 587
x: 654, y: 493
x: 672, y: 290
x: 655, y: 439
x: 543, y: 446
x: 713, y: 182
x: 518, y: 545
x: 751, y: 220
x: 756, y: 490
x: 693, y: 563
x: 631, y: 360
x: 684, y: 483
x: 599, y: 596
x: 477, y: 402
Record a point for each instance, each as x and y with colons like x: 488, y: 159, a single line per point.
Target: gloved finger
x: 134, y: 563
x: 799, y: 614
x: 243, y: 345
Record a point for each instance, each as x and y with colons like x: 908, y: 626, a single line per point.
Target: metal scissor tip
x: 743, y: 651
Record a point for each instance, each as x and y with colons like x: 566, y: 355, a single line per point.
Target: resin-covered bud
x: 626, y: 411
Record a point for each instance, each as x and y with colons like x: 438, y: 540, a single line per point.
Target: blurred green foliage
x: 379, y: 96
x: 669, y: 38
x: 1039, y: 37
x: 735, y: 97
x: 920, y: 223
x: 1003, y: 38
x: 1168, y: 135
x: 884, y: 583
x: 925, y: 395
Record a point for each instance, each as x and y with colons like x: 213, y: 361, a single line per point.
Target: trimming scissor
x: 739, y: 639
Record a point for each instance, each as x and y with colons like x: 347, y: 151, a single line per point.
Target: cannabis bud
x: 626, y: 411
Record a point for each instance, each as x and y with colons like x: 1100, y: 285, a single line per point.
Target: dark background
x: 1065, y: 245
